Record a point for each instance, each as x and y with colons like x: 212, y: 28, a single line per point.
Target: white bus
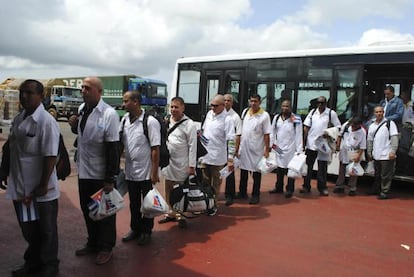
x: 352, y: 79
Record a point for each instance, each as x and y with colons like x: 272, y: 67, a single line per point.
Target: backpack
x: 164, y: 153
x: 63, y: 167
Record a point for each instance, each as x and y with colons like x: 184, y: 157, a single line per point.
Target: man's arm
x: 49, y: 164
x: 112, y: 155
x: 155, y: 161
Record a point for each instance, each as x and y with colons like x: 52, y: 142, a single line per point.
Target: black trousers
x: 41, y: 235
x: 139, y: 222
x: 280, y: 173
x: 230, y: 190
x: 101, y: 233
x: 311, y: 156
x: 257, y: 179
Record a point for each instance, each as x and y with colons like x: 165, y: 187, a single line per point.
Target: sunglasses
x: 214, y: 105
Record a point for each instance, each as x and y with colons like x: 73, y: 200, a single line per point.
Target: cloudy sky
x: 68, y: 38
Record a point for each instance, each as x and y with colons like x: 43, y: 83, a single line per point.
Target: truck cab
x: 62, y: 101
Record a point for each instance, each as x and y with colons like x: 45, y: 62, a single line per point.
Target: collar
x: 36, y: 114
x: 260, y: 111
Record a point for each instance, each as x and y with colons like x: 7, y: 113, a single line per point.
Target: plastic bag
x: 294, y: 174
x: 154, y: 204
x: 370, y: 169
x: 225, y: 172
x: 267, y: 165
x: 354, y: 169
x: 297, y: 162
x: 105, y: 204
x: 121, y: 185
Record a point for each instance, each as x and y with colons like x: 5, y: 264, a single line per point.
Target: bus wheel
x: 53, y: 112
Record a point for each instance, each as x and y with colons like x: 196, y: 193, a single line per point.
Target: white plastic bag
x: 370, y: 169
x: 225, y: 172
x: 267, y: 165
x: 105, y: 204
x: 121, y: 185
x: 154, y: 204
x: 294, y: 174
x: 354, y: 169
x: 297, y: 162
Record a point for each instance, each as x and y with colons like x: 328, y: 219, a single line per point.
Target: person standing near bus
x: 315, y: 123
x: 254, y: 144
x: 97, y: 127
x: 218, y: 131
x: 393, y: 106
x: 287, y: 139
x: 182, y: 145
x: 382, y: 148
x: 230, y: 180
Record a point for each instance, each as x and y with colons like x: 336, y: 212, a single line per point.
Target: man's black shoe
x: 324, y: 192
x: 276, y: 190
x: 254, y: 200
x: 288, y: 194
x: 382, y: 196
x: 86, y: 250
x: 304, y: 190
x: 131, y: 235
x: 229, y: 201
x: 339, y: 190
x: 352, y: 193
x: 240, y: 196
x: 25, y: 271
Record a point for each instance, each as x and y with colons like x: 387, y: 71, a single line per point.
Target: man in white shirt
x: 408, y: 116
x: 230, y: 180
x: 182, y: 145
x: 382, y: 148
x: 32, y: 180
x: 286, y: 140
x: 254, y: 144
x: 218, y: 131
x: 97, y: 126
x: 315, y: 123
x: 142, y: 156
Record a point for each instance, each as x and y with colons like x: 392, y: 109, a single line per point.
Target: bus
x: 352, y: 79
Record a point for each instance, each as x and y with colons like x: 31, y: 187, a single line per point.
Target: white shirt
x: 287, y: 136
x: 182, y: 145
x: 317, y: 123
x: 236, y: 120
x: 137, y: 149
x: 252, y: 143
x: 31, y: 139
x: 351, y: 141
x: 381, y: 142
x: 101, y: 126
x: 218, y: 129
x: 408, y: 113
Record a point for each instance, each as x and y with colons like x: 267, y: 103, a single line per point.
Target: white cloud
x: 383, y: 36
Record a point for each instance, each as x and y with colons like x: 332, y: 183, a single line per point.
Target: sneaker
x: 131, y: 235
x: 382, y: 196
x: 144, y: 239
x: 212, y: 211
x: 276, y: 190
x: 352, y: 193
x: 254, y: 200
x: 229, y: 201
x: 103, y: 257
x: 339, y: 190
x: 324, y: 192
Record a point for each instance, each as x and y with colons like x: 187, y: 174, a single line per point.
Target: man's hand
x: 3, y: 182
x: 392, y: 156
x: 108, y: 186
x: 40, y: 190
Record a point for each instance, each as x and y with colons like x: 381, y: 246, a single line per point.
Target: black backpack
x: 164, y: 153
x: 63, y: 167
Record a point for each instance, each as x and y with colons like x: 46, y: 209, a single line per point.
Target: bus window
x: 307, y: 100
x: 262, y: 91
x: 212, y: 89
x: 397, y: 88
x: 189, y: 86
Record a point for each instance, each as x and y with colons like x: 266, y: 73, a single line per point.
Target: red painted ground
x: 302, y: 236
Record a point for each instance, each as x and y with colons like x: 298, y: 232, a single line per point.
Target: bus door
x: 273, y: 94
x: 233, y: 84
x: 211, y: 86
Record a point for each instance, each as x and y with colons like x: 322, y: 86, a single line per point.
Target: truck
x: 154, y: 92
x: 59, y: 100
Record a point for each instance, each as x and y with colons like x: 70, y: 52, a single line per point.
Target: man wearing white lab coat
x: 286, y: 140
x: 254, y: 144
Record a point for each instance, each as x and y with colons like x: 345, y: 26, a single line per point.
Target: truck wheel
x: 53, y: 112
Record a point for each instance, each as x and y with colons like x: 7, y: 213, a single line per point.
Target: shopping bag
x: 294, y: 174
x: 121, y: 185
x: 154, y: 204
x: 354, y: 169
x: 267, y: 165
x: 105, y: 204
x: 370, y: 169
x: 297, y: 162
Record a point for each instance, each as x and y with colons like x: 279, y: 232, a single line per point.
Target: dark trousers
x: 311, y: 156
x: 280, y: 173
x: 139, y: 222
x: 101, y: 233
x: 384, y: 171
x: 230, y: 190
x: 257, y: 178
x: 41, y: 235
